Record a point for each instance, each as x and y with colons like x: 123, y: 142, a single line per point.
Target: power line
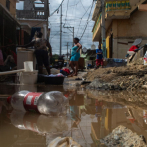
x: 87, y: 20
x: 82, y: 5
x: 81, y: 19
x: 54, y: 35
x: 57, y: 9
x: 66, y: 11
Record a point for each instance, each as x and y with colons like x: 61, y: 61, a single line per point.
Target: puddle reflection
x: 87, y: 121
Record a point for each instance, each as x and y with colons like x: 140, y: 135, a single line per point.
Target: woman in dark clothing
x: 41, y: 52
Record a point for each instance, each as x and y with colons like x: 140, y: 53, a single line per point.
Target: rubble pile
x: 118, y: 78
x: 123, y: 137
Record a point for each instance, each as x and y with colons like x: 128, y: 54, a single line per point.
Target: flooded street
x: 88, y: 120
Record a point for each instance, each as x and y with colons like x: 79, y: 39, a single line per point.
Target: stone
x: 122, y: 136
x: 144, y: 86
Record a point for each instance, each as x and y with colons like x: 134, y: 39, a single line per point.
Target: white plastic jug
x: 28, y: 65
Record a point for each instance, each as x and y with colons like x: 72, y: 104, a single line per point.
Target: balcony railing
x: 31, y: 14
x: 98, y: 21
x: 118, y: 5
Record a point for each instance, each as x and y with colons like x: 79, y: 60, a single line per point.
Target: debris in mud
x: 118, y: 78
x: 63, y: 142
x: 123, y: 137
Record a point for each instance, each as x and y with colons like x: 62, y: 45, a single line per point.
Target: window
x: 8, y: 4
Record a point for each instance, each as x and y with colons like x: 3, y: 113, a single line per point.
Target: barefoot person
x: 75, y: 55
x: 99, y: 57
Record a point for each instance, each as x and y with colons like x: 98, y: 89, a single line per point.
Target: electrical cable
x: 87, y: 20
x: 57, y: 9
x: 82, y: 18
x: 54, y: 36
x: 82, y: 5
x: 66, y: 12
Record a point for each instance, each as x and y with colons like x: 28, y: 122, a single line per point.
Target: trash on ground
x: 145, y: 58
x: 122, y: 136
x: 44, y: 103
x: 63, y: 142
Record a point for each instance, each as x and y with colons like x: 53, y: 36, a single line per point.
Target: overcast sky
x: 73, y: 11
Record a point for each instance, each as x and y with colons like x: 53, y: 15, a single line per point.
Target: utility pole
x: 67, y: 49
x: 61, y: 32
x: 73, y: 36
x: 103, y: 28
x: 72, y: 32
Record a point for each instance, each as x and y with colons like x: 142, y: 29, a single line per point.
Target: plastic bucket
x: 54, y: 80
x: 28, y: 66
x: 28, y: 78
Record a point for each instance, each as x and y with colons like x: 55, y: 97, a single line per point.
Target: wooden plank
x: 142, y: 7
x: 11, y: 72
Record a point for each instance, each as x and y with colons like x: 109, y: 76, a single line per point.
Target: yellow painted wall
x: 107, y: 120
x: 12, y: 6
x: 107, y: 46
x: 108, y: 35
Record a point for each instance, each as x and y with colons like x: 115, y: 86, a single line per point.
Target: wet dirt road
x: 89, y: 118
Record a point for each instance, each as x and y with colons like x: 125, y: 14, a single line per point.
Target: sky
x: 75, y: 14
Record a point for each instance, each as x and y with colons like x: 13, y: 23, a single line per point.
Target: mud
x: 91, y: 116
x: 130, y: 77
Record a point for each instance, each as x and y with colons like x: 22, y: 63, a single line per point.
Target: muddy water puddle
x: 88, y: 119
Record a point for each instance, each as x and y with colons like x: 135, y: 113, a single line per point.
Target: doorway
x: 111, y: 46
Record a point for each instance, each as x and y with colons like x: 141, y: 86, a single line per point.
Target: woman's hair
x: 77, y: 39
x: 39, y: 35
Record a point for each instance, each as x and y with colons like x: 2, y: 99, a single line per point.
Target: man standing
x: 99, y: 57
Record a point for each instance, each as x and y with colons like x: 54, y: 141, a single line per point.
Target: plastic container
x: 28, y: 78
x: 25, y: 55
x: 28, y: 66
x: 44, y: 103
x: 54, y: 80
x: 40, y: 78
x: 145, y: 58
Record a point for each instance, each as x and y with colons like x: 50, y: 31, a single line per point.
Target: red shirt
x: 133, y: 48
